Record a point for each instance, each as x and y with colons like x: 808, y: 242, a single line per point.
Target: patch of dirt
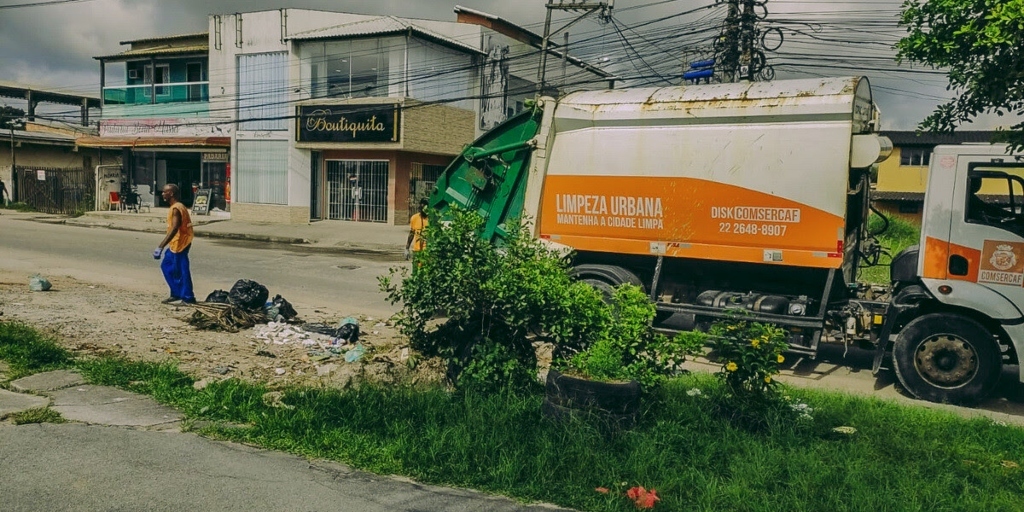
x: 92, y: 319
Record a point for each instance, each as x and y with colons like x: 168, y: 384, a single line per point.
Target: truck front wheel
x: 948, y: 358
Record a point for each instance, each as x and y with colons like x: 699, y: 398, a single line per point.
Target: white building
x: 352, y: 117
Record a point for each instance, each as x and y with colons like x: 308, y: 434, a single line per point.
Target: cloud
x: 54, y: 46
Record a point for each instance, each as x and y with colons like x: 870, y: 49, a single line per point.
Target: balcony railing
x: 182, y: 92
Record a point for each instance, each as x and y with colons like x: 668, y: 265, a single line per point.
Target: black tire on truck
x: 947, y: 358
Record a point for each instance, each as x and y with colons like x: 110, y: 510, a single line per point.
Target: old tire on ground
x: 947, y: 358
x: 615, y: 401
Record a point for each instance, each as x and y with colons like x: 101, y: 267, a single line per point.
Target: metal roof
x: 897, y: 196
x: 41, y: 138
x: 138, y: 142
x: 158, y: 52
x: 45, y: 94
x: 168, y: 38
x: 381, y: 26
x: 523, y: 35
x: 907, y: 138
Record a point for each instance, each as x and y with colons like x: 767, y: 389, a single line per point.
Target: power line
x: 42, y: 4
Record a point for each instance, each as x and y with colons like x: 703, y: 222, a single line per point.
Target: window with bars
x: 357, y: 190
x: 423, y: 177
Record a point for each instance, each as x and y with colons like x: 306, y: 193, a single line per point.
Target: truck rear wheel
x: 948, y: 358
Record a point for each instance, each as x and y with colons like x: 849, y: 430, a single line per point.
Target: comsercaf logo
x: 1003, y: 258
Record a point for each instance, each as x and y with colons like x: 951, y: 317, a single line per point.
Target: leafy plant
x: 492, y: 302
x: 629, y: 349
x: 979, y: 43
x: 750, y: 354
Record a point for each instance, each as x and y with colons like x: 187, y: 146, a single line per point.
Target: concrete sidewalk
x: 326, y: 236
x: 124, y: 451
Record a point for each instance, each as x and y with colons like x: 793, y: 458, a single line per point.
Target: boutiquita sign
x: 348, y: 123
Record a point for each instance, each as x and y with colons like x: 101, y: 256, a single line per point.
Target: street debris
x: 249, y: 295
x: 214, y: 316
x: 355, y: 354
x: 218, y: 296
x: 274, y: 399
x: 38, y: 283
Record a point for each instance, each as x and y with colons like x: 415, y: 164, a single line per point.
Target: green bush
x: 750, y: 354
x: 629, y: 349
x: 494, y: 302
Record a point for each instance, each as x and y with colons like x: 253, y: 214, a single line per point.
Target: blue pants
x: 178, y: 275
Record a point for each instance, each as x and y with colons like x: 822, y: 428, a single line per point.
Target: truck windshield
x: 996, y: 197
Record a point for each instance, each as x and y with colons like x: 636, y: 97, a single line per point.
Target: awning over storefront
x: 149, y: 142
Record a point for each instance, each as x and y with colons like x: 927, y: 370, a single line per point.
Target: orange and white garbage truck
x: 757, y: 196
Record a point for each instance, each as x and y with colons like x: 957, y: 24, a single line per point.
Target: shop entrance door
x: 358, y: 190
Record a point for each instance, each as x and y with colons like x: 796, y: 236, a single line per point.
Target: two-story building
x: 352, y: 117
x: 156, y: 108
x: 903, y: 177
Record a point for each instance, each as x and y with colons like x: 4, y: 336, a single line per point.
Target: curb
x: 298, y: 243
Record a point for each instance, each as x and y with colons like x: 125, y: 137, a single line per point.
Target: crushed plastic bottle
x: 355, y: 354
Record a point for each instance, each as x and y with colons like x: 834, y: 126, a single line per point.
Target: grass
x: 27, y: 351
x: 902, y: 458
x: 900, y: 235
x: 40, y: 415
x: 18, y: 207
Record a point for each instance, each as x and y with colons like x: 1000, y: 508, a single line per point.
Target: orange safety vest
x: 183, y: 238
x: 417, y: 223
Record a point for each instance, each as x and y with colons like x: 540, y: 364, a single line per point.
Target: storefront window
x: 348, y: 69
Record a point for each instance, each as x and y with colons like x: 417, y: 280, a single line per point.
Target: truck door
x: 986, y: 239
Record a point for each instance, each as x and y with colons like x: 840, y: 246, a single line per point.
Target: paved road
x: 77, y: 467
x: 124, y: 259
x: 350, y: 284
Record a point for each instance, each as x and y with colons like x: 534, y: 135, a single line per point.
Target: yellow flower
x: 755, y: 342
x: 781, y: 359
x: 731, y: 366
x: 768, y: 380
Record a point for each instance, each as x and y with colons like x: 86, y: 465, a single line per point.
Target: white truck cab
x: 956, y: 313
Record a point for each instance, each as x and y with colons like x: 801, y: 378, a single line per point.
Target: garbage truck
x: 756, y: 196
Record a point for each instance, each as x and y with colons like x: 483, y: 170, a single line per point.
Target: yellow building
x: 902, y: 178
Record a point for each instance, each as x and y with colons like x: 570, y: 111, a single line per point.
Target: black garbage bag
x: 348, y: 332
x: 284, y: 308
x: 218, y: 296
x: 249, y: 295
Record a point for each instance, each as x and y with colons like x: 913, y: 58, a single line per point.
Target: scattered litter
x: 274, y: 399
x: 847, y: 431
x: 38, y: 283
x: 280, y: 333
x: 280, y: 371
x: 221, y: 370
x: 218, y: 296
x: 355, y: 354
x: 322, y: 371
x: 348, y: 330
x: 284, y: 308
x: 248, y: 294
x: 378, y: 325
x: 405, y: 354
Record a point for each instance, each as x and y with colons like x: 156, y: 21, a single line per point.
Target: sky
x: 54, y: 45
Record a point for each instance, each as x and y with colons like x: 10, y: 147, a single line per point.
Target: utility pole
x: 730, y: 59
x: 587, y: 7
x: 747, y: 20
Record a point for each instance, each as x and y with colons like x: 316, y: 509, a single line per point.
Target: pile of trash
x: 244, y: 306
x: 324, y: 341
